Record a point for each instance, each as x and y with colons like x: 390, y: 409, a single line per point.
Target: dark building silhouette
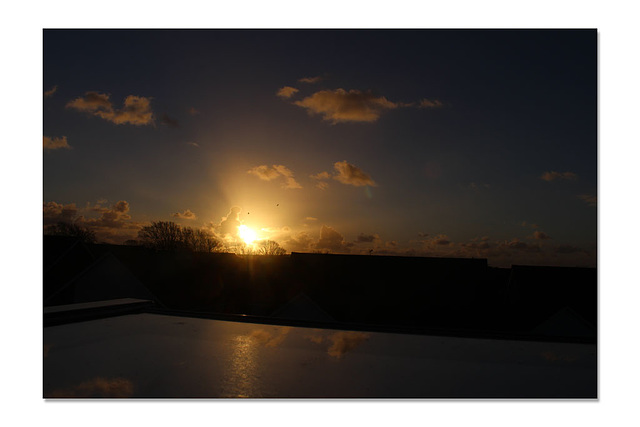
x: 454, y: 296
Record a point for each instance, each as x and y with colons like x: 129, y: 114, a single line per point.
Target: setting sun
x: 247, y: 234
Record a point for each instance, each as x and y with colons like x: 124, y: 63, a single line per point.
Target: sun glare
x: 247, y: 234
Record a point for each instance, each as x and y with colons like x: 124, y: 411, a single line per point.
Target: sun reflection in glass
x: 242, y: 377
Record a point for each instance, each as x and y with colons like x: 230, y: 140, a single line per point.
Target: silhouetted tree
x: 169, y: 236
x: 71, y: 230
x: 200, y: 240
x: 270, y: 247
x: 161, y: 235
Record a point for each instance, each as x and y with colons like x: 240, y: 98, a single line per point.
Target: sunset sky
x: 406, y: 142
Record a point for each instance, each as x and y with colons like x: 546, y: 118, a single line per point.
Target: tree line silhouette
x: 169, y: 236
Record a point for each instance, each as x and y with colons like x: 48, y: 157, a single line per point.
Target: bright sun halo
x: 246, y: 234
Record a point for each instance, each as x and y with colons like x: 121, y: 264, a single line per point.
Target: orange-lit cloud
x: 51, y: 91
x: 266, y: 173
x: 339, y: 105
x: 187, y: 214
x: 136, y: 110
x: 55, y: 143
x: 286, y: 92
x: 349, y: 174
x: 590, y: 199
x: 55, y: 212
x: 97, y: 387
x: 553, y: 175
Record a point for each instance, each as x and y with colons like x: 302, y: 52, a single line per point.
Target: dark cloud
x: 168, y: 121
x: 187, y: 214
x: 333, y: 241
x: 540, y: 235
x: 518, y: 245
x: 569, y: 249
x: 301, y: 242
x: 367, y: 238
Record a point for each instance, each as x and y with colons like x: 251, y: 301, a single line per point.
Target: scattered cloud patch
x: 267, y: 173
x: 540, y: 235
x: 287, y: 92
x: 332, y: 240
x: 341, y: 106
x: 569, y: 249
x: 589, y: 199
x: 428, y: 103
x: 553, y: 175
x: 300, y: 242
x: 49, y: 93
x: 187, y: 214
x: 349, y: 174
x: 56, y: 212
x: 518, y: 245
x: 168, y: 121
x: 311, y: 80
x: 193, y: 144
x: 367, y: 238
x: 193, y: 111
x: 55, y: 143
x: 136, y: 110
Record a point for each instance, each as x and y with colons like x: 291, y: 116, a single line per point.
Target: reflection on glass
x: 241, y: 379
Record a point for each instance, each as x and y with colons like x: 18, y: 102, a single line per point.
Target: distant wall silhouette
x: 414, y: 292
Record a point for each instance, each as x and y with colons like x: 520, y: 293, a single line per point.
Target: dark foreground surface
x: 149, y: 355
